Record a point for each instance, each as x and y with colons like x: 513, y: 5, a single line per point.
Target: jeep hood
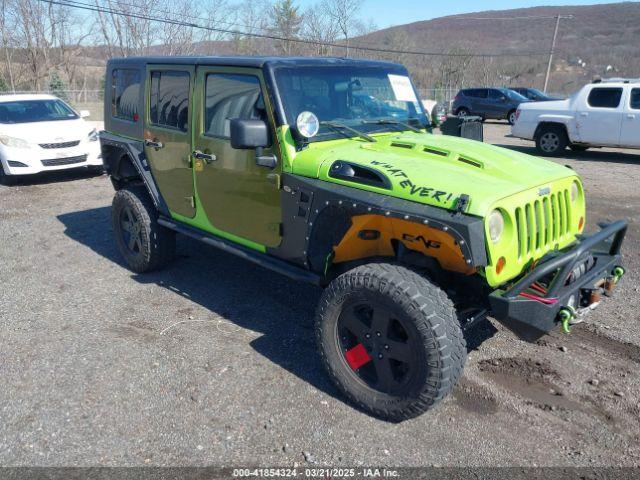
x: 432, y: 169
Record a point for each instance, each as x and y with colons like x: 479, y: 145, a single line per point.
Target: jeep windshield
x: 28, y: 111
x: 367, y: 99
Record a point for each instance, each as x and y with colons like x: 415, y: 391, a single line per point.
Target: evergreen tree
x: 57, y: 86
x: 287, y: 21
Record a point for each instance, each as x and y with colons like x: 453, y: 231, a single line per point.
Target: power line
x: 140, y: 16
x: 159, y: 10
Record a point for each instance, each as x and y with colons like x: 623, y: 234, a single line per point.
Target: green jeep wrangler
x: 324, y: 170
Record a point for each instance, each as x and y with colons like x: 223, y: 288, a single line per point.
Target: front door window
x: 240, y: 198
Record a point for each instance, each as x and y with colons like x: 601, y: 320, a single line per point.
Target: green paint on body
x: 484, y: 172
x: 436, y: 170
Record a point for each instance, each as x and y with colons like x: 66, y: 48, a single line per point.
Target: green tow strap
x: 618, y: 272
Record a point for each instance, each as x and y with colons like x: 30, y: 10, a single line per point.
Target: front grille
x: 542, y: 224
x: 73, y: 143
x: 56, y: 162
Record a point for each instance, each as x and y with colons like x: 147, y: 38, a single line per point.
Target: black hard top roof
x: 256, y: 62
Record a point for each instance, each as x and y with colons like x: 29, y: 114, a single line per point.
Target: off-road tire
x: 432, y: 318
x: 511, y: 117
x: 155, y: 245
x: 551, y: 140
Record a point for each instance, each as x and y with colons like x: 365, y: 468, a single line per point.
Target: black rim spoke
x: 398, y: 351
x: 130, y: 230
x: 380, y: 322
x: 390, y: 353
x: 352, y: 322
x: 126, y: 226
x: 385, y: 381
x: 133, y: 240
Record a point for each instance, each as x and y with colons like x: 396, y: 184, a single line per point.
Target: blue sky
x: 385, y: 13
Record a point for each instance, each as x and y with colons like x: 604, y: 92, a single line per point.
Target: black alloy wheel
x: 378, y: 347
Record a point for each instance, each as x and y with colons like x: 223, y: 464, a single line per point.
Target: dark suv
x: 534, y: 94
x: 488, y: 103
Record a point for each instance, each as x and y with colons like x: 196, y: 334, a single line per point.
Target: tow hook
x: 611, y: 282
x: 565, y: 315
x: 618, y: 272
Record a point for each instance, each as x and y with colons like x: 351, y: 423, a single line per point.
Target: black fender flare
x: 314, y: 214
x: 133, y: 151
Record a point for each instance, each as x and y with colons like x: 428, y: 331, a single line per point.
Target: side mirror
x: 249, y: 134
x: 84, y: 113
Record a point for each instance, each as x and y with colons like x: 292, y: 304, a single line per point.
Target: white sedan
x: 40, y: 133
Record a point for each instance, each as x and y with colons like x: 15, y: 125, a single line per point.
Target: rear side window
x: 169, y: 99
x: 635, y: 99
x: 125, y: 91
x: 230, y: 96
x: 605, y: 97
x: 476, y: 93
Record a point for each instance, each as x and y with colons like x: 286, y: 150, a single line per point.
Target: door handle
x: 207, y: 157
x: 153, y: 144
x: 584, y: 114
x: 631, y: 116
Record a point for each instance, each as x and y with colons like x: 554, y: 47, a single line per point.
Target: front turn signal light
x: 502, y: 262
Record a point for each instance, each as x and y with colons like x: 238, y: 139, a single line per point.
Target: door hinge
x: 274, y: 179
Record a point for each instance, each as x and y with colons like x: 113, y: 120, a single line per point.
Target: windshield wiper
x: 391, y: 121
x: 340, y: 127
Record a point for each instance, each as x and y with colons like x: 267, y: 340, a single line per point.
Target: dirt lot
x: 212, y: 361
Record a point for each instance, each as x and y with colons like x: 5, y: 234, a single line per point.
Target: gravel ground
x: 212, y: 361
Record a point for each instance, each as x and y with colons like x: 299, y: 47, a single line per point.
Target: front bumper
x: 575, y: 278
x: 29, y: 161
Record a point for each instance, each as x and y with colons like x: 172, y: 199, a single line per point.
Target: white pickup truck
x: 605, y: 113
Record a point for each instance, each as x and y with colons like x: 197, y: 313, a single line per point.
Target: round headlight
x: 496, y: 225
x: 308, y: 124
x: 575, y: 191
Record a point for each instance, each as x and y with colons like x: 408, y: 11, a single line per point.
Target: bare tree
x: 44, y: 35
x: 255, y: 19
x: 218, y: 13
x: 453, y: 68
x: 8, y: 42
x: 320, y: 29
x: 345, y: 15
x: 123, y: 32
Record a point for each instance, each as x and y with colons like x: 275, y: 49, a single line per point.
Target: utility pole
x: 553, y: 48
